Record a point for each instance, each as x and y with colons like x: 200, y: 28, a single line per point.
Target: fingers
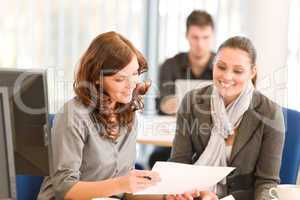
x: 209, y: 196
x: 142, y: 179
x: 196, y: 193
x: 179, y: 197
x: 150, y: 175
x: 145, y: 182
x: 144, y: 172
x: 185, y: 196
x: 170, y: 197
x: 188, y: 196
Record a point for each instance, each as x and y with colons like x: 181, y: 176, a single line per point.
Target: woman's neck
x: 228, y: 100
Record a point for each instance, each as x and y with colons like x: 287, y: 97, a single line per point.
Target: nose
x: 200, y: 42
x: 227, y: 76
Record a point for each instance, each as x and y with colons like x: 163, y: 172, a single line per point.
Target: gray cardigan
x: 257, y: 149
x: 80, y: 153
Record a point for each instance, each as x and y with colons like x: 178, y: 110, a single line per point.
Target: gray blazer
x: 257, y: 149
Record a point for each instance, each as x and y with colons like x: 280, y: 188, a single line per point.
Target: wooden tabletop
x: 157, y: 130
x: 158, y: 140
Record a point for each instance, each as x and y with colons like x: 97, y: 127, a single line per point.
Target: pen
x: 147, y: 177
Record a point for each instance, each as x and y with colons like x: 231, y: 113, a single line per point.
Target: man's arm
x: 167, y: 102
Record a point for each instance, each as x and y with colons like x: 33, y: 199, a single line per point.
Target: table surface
x: 156, y: 130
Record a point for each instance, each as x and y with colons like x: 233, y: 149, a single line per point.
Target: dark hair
x: 199, y: 18
x: 107, y: 54
x: 244, y: 44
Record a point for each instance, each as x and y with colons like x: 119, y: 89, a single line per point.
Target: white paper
x: 177, y: 178
x: 230, y: 197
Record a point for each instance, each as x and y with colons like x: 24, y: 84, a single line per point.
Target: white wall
x: 266, y: 23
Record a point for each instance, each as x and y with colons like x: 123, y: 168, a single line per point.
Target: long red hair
x: 107, y: 54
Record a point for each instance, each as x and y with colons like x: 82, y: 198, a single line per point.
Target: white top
x: 228, y: 152
x: 221, y: 189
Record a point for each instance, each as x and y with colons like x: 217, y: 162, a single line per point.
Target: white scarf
x: 225, y: 120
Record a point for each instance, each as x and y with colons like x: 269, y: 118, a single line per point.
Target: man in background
x: 195, y: 64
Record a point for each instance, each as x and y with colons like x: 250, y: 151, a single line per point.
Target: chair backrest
x: 291, y: 151
x: 28, y: 187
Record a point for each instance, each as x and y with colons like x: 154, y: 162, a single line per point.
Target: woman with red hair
x: 94, y: 134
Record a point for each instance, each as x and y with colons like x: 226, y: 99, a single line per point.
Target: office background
x: 53, y: 34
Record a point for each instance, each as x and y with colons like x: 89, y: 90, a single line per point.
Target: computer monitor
x: 7, y: 166
x: 27, y: 91
x: 182, y: 86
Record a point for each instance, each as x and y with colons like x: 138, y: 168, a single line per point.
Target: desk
x: 158, y: 140
x: 156, y: 130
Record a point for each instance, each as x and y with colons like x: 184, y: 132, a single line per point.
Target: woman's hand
x: 185, y: 196
x: 138, y: 180
x: 205, y: 195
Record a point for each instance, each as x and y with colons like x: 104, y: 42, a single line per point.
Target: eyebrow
x: 239, y: 66
x: 122, y: 75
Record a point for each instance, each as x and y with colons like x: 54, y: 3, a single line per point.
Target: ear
x: 253, y: 71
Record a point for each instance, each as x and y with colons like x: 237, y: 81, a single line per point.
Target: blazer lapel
x: 246, y: 129
x: 202, y: 113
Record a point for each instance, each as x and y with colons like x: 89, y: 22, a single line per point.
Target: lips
x: 226, y: 84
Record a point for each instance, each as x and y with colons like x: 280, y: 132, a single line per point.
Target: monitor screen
x: 29, y: 113
x: 7, y: 169
x: 183, y: 86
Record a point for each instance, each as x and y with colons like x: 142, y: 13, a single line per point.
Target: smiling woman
x: 94, y: 135
x: 243, y: 128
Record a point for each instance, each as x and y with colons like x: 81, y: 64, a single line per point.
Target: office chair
x: 28, y: 186
x: 291, y: 152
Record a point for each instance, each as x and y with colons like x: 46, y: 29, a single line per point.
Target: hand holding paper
x: 230, y: 197
x: 177, y: 178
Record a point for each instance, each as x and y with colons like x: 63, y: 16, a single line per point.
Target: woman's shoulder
x: 264, y: 105
x: 74, y: 112
x: 75, y: 106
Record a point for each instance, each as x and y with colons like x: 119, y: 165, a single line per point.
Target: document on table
x: 177, y: 178
x: 230, y: 197
x: 105, y: 198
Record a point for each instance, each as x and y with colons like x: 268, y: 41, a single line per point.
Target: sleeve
x: 166, y: 82
x: 67, y: 142
x: 269, y: 161
x: 182, y: 150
